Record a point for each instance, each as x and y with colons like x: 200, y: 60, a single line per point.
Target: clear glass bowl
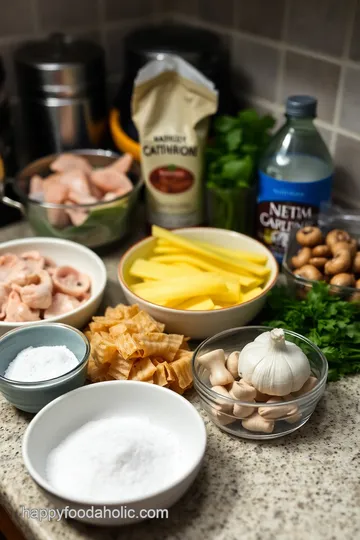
x: 220, y: 408
x: 300, y: 286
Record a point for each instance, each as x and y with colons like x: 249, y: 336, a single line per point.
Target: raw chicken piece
x: 77, y: 217
x: 123, y: 164
x: 58, y: 218
x: 56, y: 193
x: 95, y: 191
x: 8, y: 262
x: 109, y: 179
x: 35, y: 255
x: 37, y: 293
x: 66, y: 162
x: 36, y: 190
x: 4, y: 295
x: 54, y: 190
x: 84, y: 297
x: 50, y: 264
x: 61, y: 303
x: 76, y: 180
x: 69, y: 281
x: 34, y: 261
x: 17, y: 311
x: 80, y: 198
x: 112, y: 195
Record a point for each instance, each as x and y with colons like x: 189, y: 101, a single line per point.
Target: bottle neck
x: 300, y: 123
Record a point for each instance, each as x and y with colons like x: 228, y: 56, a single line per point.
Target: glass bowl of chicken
x: 86, y: 196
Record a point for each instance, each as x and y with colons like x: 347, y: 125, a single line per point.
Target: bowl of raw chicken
x: 46, y: 280
x: 85, y: 196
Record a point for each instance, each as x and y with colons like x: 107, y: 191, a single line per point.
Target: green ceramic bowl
x: 33, y: 396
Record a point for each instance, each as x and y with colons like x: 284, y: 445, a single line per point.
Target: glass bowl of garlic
x: 257, y: 382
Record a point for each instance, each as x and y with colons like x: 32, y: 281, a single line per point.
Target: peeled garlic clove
x: 279, y: 411
x: 294, y: 418
x: 223, y: 419
x: 222, y: 405
x: 242, y: 391
x: 258, y: 423
x: 262, y: 397
x: 232, y: 364
x: 309, y: 385
x: 243, y: 411
x: 214, y: 362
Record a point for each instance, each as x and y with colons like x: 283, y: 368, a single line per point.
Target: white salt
x: 41, y: 364
x: 114, y: 459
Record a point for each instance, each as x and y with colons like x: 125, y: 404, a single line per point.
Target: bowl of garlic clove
x: 257, y: 382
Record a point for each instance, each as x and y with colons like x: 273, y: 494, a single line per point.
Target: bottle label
x: 282, y: 204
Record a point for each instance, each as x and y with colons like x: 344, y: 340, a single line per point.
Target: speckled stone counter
x: 303, y: 486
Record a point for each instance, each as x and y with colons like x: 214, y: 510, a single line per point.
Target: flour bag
x: 171, y: 106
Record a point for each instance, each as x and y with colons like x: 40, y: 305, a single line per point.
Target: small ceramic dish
x: 33, y: 396
x: 63, y: 253
x: 199, y: 324
x: 125, y: 399
x: 220, y: 409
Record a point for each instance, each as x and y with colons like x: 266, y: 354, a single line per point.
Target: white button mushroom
x: 278, y: 412
x: 232, y: 363
x: 309, y: 385
x: 258, y: 423
x: 242, y: 391
x: 243, y: 411
x: 214, y: 362
x: 222, y: 405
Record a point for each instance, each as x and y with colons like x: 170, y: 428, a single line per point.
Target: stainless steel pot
x: 107, y: 222
x: 62, y: 91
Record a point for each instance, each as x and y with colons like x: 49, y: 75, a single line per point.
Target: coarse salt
x: 115, y: 459
x: 41, y: 363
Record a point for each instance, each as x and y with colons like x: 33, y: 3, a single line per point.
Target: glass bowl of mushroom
x: 257, y: 382
x: 331, y: 255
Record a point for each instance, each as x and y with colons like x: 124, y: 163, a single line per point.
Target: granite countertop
x: 305, y: 485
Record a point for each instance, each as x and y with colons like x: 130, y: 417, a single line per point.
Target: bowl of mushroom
x: 318, y: 255
x: 259, y: 383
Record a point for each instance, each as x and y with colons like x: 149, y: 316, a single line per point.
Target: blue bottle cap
x: 301, y: 106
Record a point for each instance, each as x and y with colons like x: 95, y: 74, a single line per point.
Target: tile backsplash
x: 278, y: 47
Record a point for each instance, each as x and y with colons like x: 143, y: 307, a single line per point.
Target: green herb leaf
x: 328, y: 321
x: 248, y: 116
x: 238, y: 169
x: 233, y: 139
x: 223, y: 124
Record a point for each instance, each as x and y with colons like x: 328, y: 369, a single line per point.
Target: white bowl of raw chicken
x: 74, y: 309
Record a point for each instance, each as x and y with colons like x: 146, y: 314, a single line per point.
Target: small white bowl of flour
x: 127, y: 446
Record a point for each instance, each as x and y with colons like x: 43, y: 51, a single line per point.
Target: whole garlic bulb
x: 273, y: 365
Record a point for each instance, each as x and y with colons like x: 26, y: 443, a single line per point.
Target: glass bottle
x: 295, y: 176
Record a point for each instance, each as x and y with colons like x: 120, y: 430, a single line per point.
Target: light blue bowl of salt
x: 31, y: 396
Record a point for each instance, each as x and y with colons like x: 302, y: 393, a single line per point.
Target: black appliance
x: 201, y: 48
x: 8, y: 165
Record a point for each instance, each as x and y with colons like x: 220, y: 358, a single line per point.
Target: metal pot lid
x: 59, y: 65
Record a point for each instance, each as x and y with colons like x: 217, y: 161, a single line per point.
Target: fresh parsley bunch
x: 328, y: 321
x: 233, y: 155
